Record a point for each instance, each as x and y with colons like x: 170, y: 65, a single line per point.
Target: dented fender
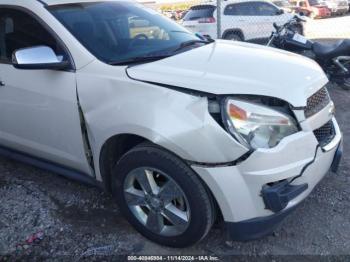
x: 113, y: 104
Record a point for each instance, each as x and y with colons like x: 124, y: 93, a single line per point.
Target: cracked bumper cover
x: 297, y: 159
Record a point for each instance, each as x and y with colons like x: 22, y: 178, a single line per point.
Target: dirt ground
x: 77, y: 220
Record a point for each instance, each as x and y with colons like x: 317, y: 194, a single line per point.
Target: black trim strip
x: 47, y: 165
x: 256, y: 228
x: 232, y: 163
x: 42, y: 2
x: 175, y: 88
x: 306, y: 166
x: 182, y: 89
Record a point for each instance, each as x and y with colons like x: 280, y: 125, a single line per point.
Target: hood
x: 227, y: 67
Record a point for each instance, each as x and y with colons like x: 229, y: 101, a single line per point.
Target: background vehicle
x: 333, y: 58
x: 337, y: 7
x: 284, y: 4
x: 311, y: 8
x: 240, y: 20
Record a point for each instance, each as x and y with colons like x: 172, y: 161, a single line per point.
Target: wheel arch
x: 111, y: 152
x: 118, y: 145
x: 233, y: 31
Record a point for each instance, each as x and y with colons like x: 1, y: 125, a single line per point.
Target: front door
x: 38, y: 108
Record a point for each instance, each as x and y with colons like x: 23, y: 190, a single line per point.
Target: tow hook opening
x: 277, y: 195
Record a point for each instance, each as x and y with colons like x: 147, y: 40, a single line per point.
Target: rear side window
x: 199, y: 11
x: 251, y: 9
x: 242, y: 9
x: 231, y: 10
x: 266, y: 9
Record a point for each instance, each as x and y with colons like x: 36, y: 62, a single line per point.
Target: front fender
x: 113, y: 104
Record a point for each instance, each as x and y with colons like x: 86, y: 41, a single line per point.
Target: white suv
x: 241, y: 20
x: 179, y: 129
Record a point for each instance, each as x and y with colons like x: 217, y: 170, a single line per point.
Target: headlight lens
x: 255, y: 125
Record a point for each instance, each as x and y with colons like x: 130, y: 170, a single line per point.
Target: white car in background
x: 240, y: 20
x: 337, y: 7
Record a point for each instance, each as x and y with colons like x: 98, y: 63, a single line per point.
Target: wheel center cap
x: 155, y: 202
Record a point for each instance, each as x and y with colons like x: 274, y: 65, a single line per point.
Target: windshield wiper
x: 160, y: 55
x: 139, y: 59
x: 190, y: 43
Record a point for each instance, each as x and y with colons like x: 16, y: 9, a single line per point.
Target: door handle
x: 2, y: 83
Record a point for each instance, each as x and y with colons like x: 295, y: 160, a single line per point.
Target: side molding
x: 49, y: 166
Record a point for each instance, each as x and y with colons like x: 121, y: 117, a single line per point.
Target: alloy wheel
x: 157, y: 201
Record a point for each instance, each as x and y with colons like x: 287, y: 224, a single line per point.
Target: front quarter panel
x: 114, y: 104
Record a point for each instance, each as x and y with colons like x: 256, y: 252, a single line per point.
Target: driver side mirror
x: 280, y: 12
x: 40, y: 57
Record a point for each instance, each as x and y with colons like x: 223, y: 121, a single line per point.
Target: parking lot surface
x: 334, y: 28
x: 75, y: 220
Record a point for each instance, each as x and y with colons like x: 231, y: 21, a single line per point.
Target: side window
x: 20, y: 30
x: 266, y: 9
x: 231, y: 10
x: 302, y: 4
x: 240, y: 9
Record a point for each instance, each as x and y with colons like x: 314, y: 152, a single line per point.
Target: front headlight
x: 257, y: 126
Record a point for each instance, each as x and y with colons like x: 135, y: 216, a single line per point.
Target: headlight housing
x: 255, y: 125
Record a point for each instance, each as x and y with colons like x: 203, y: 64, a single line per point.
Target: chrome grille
x: 325, y: 133
x: 317, y: 102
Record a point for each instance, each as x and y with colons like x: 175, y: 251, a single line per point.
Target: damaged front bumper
x: 258, y: 227
x: 255, y: 195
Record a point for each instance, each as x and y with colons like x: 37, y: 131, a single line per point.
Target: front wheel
x: 162, y: 197
x: 234, y: 36
x: 338, y: 76
x: 346, y: 84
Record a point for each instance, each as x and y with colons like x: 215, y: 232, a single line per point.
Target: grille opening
x: 325, y: 133
x: 317, y: 102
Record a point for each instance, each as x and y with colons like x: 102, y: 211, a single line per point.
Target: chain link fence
x: 252, y: 20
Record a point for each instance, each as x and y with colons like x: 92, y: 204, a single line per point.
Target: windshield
x: 120, y: 31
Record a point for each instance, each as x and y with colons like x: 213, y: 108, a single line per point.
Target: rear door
x: 201, y: 19
x: 243, y: 16
x: 269, y: 14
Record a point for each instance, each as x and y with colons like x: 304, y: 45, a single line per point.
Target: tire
x: 346, y: 84
x: 198, y: 201
x: 234, y: 36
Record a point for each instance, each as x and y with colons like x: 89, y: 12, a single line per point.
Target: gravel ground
x: 75, y: 218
